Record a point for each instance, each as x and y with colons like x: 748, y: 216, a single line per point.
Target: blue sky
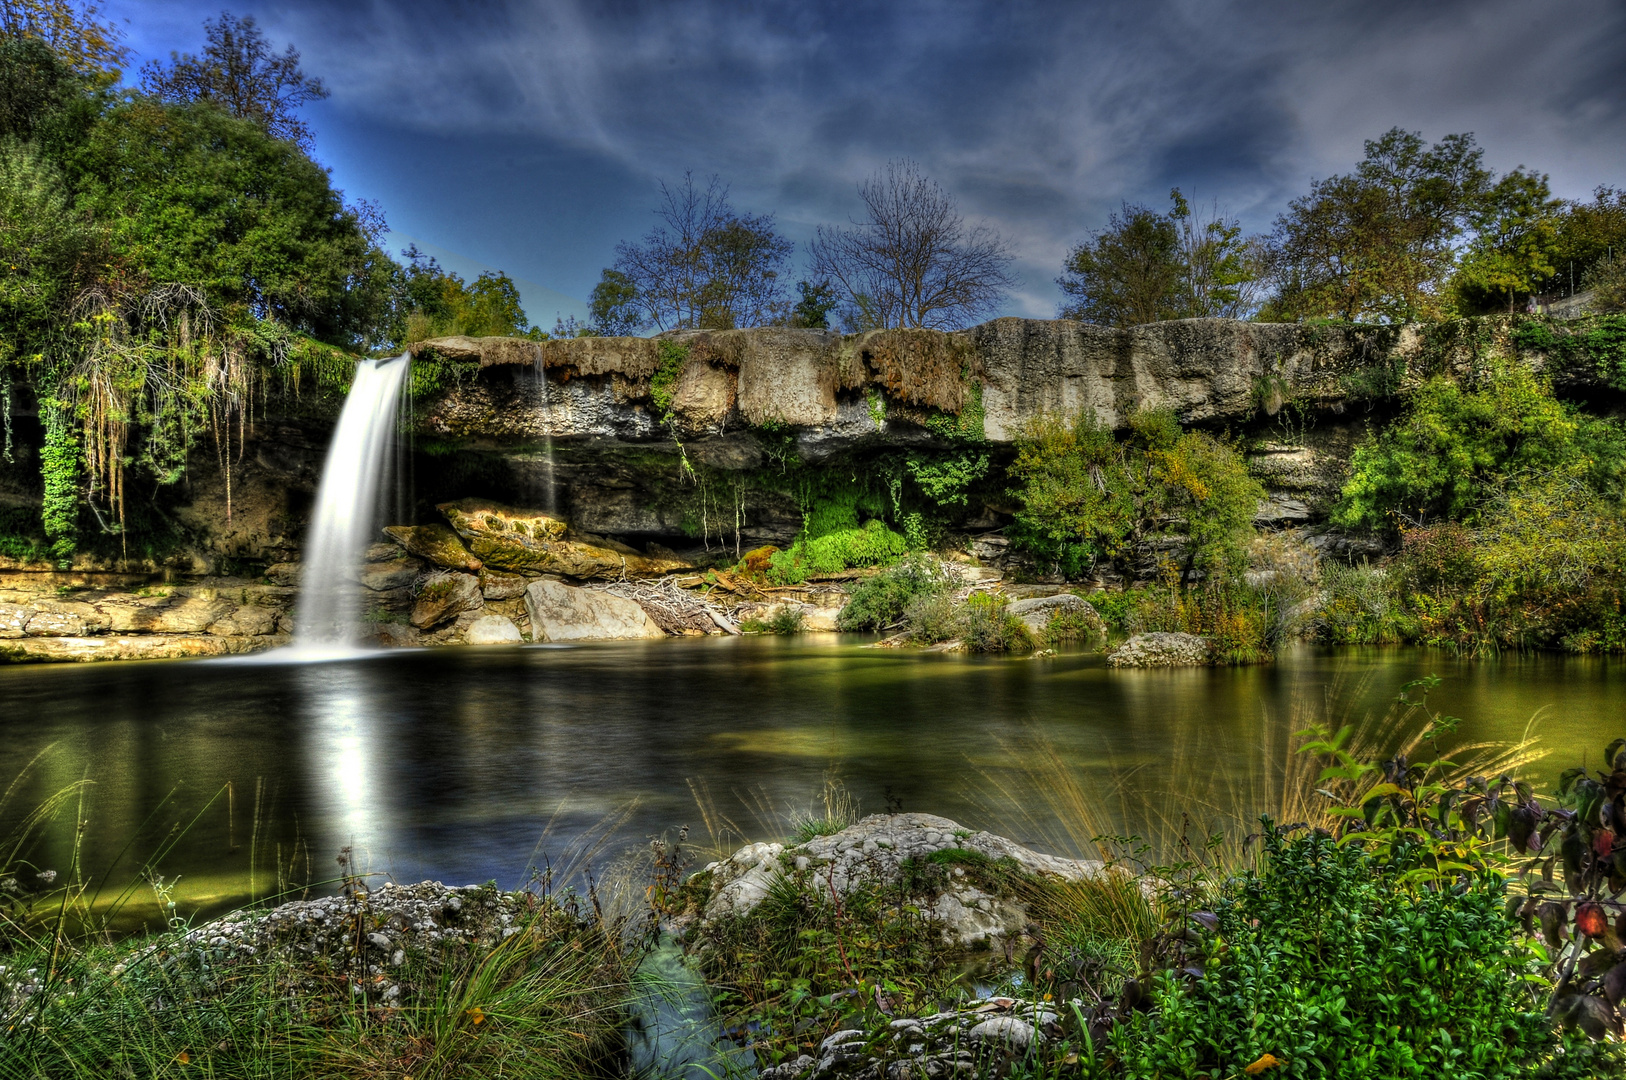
x: 531, y: 136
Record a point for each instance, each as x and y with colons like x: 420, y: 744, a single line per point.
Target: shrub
x: 872, y: 544
x: 1362, y: 606
x: 880, y: 601
x: 987, y: 627
x: 787, y: 620
x: 1324, y: 961
x: 931, y: 618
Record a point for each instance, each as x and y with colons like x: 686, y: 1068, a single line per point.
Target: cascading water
x: 550, y: 503
x: 348, y: 501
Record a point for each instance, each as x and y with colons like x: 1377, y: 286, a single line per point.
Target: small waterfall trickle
x: 349, y: 499
x: 549, y: 499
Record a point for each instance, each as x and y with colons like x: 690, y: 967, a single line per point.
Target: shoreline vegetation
x: 1399, y: 902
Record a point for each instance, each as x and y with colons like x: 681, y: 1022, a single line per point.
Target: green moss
x: 663, y: 384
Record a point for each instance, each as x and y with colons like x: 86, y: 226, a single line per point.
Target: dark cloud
x: 531, y: 135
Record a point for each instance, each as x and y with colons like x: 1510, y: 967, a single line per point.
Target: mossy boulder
x: 435, y: 543
x: 531, y: 542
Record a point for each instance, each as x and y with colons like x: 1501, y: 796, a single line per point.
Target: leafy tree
x: 706, y: 266
x: 79, y: 33
x: 432, y: 302
x: 1146, y: 267
x: 912, y: 261
x: 1512, y: 253
x: 818, y: 300
x: 1379, y: 242
x: 1589, y: 234
x: 43, y: 100
x: 190, y: 194
x: 613, y: 306
x: 241, y: 73
x: 1127, y: 274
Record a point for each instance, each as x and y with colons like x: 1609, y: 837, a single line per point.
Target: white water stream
x: 346, y: 518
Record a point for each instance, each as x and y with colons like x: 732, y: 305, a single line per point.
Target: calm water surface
x: 471, y: 764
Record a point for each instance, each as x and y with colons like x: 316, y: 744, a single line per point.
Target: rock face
x: 443, y: 597
x: 492, y: 630
x: 1162, y: 650
x: 435, y: 543
x: 881, y: 849
x: 560, y: 612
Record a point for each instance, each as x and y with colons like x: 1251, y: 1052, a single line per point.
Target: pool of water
x: 473, y: 764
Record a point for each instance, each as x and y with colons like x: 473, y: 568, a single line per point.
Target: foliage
x: 1088, y: 498
x: 663, y: 384
x: 818, y: 300
x: 1246, y: 623
x: 613, y: 306
x: 1596, y: 345
x: 706, y: 267
x: 242, y: 74
x: 871, y: 544
x: 430, y: 302
x: 1607, y: 280
x: 1454, y: 444
x: 985, y: 626
x: 1361, y: 607
x: 59, y: 466
x: 1512, y: 254
x: 1330, y: 965
x: 1378, y: 242
x: 1146, y: 266
x: 879, y: 602
x: 79, y: 33
x: 912, y: 261
x: 786, y: 620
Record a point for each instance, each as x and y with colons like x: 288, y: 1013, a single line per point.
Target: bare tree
x: 240, y: 72
x: 706, y: 267
x: 912, y: 261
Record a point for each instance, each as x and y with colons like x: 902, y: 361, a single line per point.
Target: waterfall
x: 550, y: 501
x: 348, y: 504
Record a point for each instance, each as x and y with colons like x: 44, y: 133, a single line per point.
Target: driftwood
x: 671, y: 607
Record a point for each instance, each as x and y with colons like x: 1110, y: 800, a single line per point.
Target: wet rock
x: 285, y: 574
x: 444, y: 596
x: 394, y: 574
x: 560, y: 612
x: 250, y: 621
x: 396, y: 635
x: 435, y: 543
x: 137, y: 647
x: 514, y: 540
x: 176, y: 613
x: 492, y: 630
x: 1162, y: 650
x: 496, y: 586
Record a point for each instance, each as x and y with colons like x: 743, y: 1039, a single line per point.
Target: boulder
x: 561, y: 612
x: 890, y: 850
x: 13, y: 620
x: 444, y: 596
x: 527, y: 541
x: 492, y: 630
x: 396, y: 635
x: 173, y: 614
x: 435, y: 543
x: 1163, y: 650
x: 395, y: 573
x: 285, y: 574
x: 1037, y: 612
x: 496, y: 586
x: 59, y: 624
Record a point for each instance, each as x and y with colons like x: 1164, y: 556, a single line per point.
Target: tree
x: 912, y: 261
x: 1512, y: 253
x: 613, y: 306
x: 1589, y: 234
x: 241, y: 73
x: 812, y: 311
x: 1145, y: 267
x: 78, y: 33
x: 431, y: 302
x: 706, y: 266
x: 1127, y: 274
x: 1379, y: 242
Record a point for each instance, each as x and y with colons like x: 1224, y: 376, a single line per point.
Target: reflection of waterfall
x: 346, y: 517
x: 549, y: 503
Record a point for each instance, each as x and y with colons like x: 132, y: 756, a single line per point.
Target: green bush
x: 1362, y: 607
x: 1326, y: 962
x: 1089, y: 498
x: 880, y: 601
x: 931, y: 618
x: 987, y: 627
x: 872, y: 544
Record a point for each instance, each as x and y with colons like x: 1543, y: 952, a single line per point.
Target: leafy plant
x: 879, y: 602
